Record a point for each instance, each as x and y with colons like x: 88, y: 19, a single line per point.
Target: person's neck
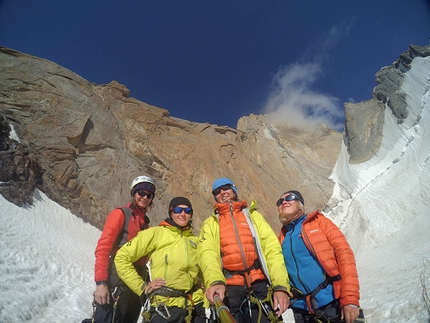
x: 296, y: 216
x: 137, y: 207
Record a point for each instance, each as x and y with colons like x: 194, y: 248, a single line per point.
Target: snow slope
x: 382, y: 206
x: 46, y: 263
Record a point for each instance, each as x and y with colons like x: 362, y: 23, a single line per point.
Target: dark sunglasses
x: 178, y: 210
x: 224, y: 188
x: 142, y: 193
x: 288, y: 198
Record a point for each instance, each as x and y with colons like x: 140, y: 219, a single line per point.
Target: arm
x: 210, y: 259
x: 113, y: 226
x: 141, y: 245
x: 346, y: 262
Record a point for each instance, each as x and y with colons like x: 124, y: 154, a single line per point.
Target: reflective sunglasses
x: 178, y: 210
x: 142, y: 193
x: 223, y: 187
x: 288, y: 198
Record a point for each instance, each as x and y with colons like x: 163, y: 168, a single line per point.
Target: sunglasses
x: 142, y: 193
x: 224, y: 188
x: 288, y: 198
x: 178, y: 210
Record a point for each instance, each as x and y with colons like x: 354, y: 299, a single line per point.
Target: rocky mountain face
x: 364, y: 120
x: 83, y: 143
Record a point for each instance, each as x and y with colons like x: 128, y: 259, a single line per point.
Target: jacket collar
x: 168, y: 222
x: 236, y: 206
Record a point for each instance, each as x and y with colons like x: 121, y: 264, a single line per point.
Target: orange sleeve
x: 349, y: 285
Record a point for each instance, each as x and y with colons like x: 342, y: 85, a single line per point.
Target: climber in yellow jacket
x: 241, y: 259
x: 174, y: 292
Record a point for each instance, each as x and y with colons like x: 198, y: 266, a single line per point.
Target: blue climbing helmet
x: 223, y: 181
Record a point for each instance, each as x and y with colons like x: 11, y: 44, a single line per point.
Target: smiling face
x: 142, y: 198
x: 181, y: 214
x: 225, y: 194
x: 289, y: 210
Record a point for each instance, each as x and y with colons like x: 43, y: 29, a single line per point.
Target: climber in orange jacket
x: 320, y: 264
x: 241, y: 259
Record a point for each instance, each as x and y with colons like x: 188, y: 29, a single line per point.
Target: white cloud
x: 294, y: 102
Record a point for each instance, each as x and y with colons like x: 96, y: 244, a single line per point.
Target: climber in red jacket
x: 112, y: 296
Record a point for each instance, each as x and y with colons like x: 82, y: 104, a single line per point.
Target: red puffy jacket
x: 114, y: 235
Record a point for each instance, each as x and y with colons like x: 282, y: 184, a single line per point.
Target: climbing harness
x: 310, y: 297
x: 229, y: 273
x: 265, y: 306
x: 322, y: 316
x: 161, y: 307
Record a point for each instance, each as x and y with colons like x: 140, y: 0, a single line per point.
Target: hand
x: 154, y: 285
x: 349, y: 313
x: 281, y: 302
x: 215, y: 289
x: 101, y: 295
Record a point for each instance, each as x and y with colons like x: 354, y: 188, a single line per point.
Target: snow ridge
x: 382, y: 206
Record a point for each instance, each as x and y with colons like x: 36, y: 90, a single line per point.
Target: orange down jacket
x: 209, y: 247
x: 237, y: 245
x: 325, y: 240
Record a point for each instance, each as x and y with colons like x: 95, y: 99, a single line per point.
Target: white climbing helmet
x: 141, y: 179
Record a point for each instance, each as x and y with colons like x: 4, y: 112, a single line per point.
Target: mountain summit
x: 85, y: 142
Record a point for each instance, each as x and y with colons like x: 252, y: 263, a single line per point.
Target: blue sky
x: 216, y: 61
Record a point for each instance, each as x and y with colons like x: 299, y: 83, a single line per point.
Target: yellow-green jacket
x: 270, y: 251
x: 172, y: 256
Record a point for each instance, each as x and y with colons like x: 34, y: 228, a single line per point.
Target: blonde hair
x: 302, y: 207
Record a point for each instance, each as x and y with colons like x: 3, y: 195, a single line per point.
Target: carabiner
x: 265, y: 307
x: 167, y: 316
x: 115, y: 298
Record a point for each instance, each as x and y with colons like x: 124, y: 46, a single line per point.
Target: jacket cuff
x: 218, y: 282
x: 281, y: 288
x: 101, y: 282
x: 349, y: 300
